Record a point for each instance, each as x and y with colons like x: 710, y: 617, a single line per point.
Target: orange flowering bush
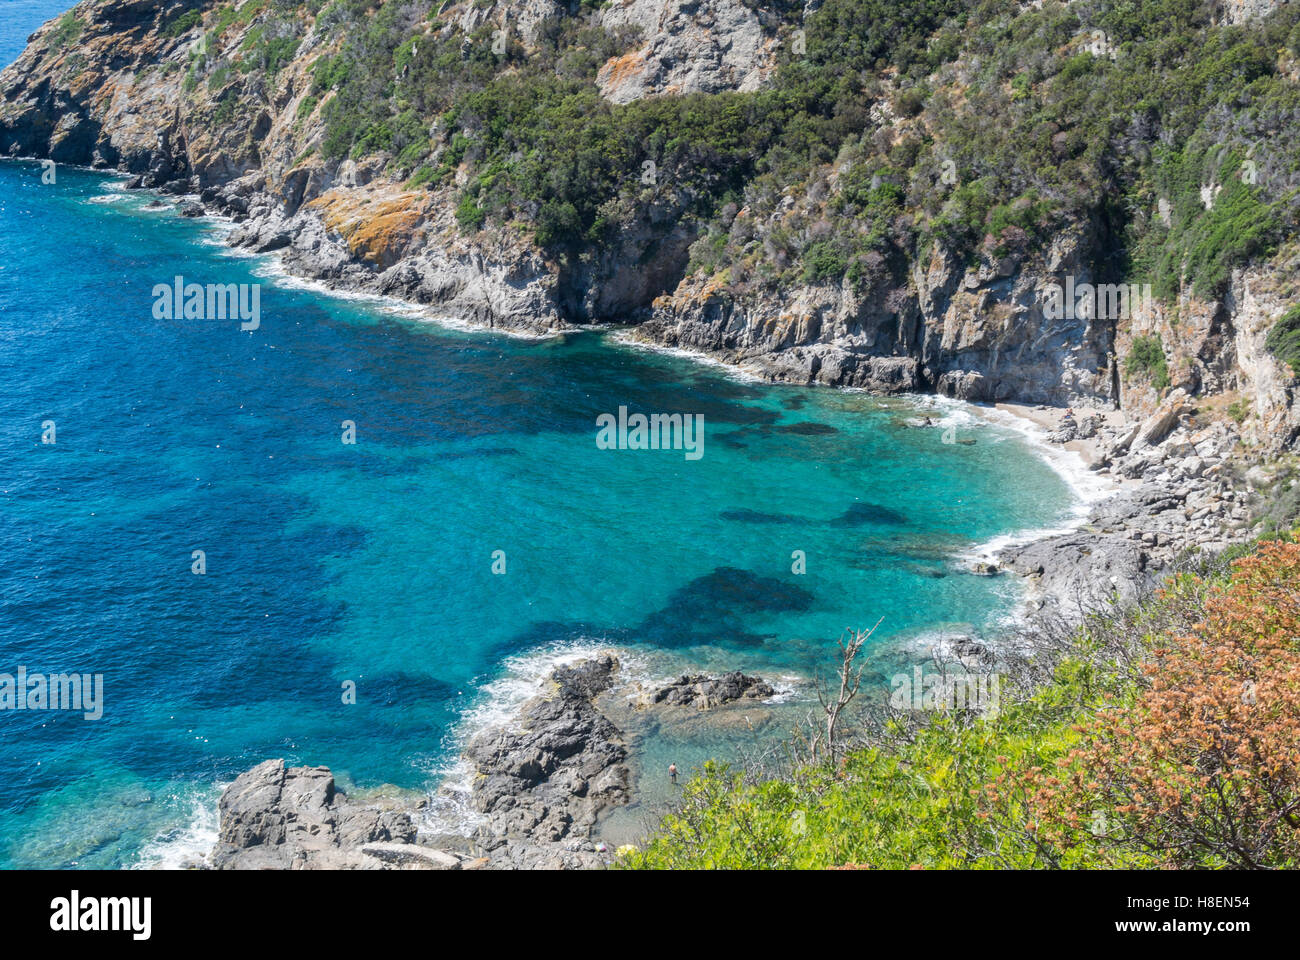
x: 1200, y: 766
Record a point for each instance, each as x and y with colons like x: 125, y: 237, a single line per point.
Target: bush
x: 1283, y: 340
x: 183, y: 24
x: 1202, y: 768
x: 1147, y: 356
x: 469, y: 214
x: 67, y: 30
x: 1163, y: 736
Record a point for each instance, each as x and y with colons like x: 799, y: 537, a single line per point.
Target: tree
x: 823, y: 740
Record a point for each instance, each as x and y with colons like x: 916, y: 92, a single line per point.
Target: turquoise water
x: 372, y: 563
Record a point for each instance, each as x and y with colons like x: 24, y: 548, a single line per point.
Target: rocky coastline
x: 540, y: 784
x: 1183, y: 471
x: 1179, y: 488
x: 543, y: 784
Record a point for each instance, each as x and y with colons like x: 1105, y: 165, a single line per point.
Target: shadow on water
x: 710, y: 610
x: 868, y: 514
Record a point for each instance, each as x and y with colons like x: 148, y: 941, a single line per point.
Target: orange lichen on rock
x: 377, y: 229
x: 617, y: 70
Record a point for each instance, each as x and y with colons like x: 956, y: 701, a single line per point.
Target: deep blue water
x: 19, y: 20
x: 372, y: 562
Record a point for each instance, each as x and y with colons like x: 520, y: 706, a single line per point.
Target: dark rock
x: 543, y: 780
x: 192, y: 209
x: 703, y: 691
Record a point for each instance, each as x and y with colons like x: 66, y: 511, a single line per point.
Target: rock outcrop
x: 1187, y: 499
x: 976, y: 333
x: 690, y: 46
x: 295, y: 818
x: 702, y: 691
x: 542, y: 781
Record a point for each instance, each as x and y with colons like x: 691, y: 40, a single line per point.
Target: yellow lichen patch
x: 618, y: 69
x: 377, y: 229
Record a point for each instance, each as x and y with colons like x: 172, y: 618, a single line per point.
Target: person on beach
x: 672, y: 772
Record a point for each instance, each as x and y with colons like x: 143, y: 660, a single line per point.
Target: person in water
x: 672, y: 772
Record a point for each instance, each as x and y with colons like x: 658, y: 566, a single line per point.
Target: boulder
x: 701, y: 691
x: 273, y: 817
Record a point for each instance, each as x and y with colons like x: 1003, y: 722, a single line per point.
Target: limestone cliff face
x: 688, y: 46
x: 974, y: 332
x: 1239, y: 11
x: 682, y: 46
x: 981, y: 333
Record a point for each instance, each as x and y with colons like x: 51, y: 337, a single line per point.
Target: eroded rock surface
x: 702, y: 691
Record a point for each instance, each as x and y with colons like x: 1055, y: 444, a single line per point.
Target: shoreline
x: 1075, y: 460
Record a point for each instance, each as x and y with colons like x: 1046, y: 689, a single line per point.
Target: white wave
x: 107, y: 198
x: 787, y: 687
x: 273, y: 269
x: 423, y: 315
x: 1086, y: 487
x: 188, y: 843
x: 945, y: 412
x: 741, y: 372
x: 496, y: 706
x: 449, y: 810
x: 1070, y: 465
x: 937, y: 642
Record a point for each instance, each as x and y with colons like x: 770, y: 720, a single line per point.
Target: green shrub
x: 954, y: 791
x: 469, y: 214
x: 1147, y: 357
x: 67, y: 30
x: 1283, y: 340
x: 183, y: 24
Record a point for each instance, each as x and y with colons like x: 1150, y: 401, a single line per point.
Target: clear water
x: 19, y: 19
x: 372, y: 562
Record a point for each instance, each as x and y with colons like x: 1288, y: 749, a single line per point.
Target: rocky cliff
x: 226, y: 100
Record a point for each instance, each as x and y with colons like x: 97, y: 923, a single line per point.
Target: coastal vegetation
x: 1283, y: 340
x: 1147, y: 356
x: 1003, y: 125
x: 1166, y: 735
